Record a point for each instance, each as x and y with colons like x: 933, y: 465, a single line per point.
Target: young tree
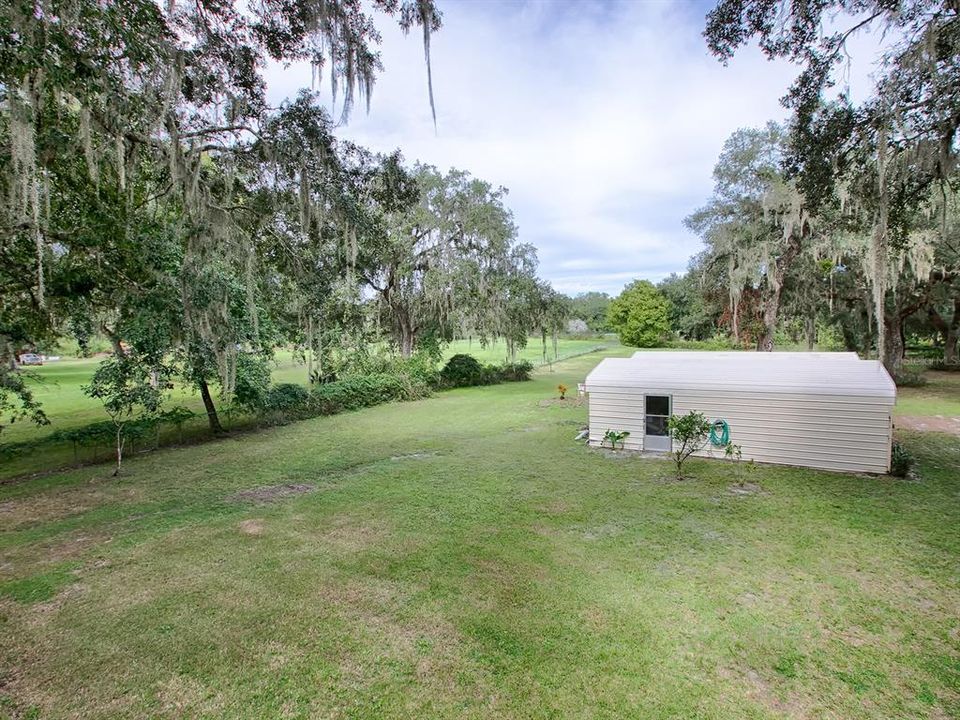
x: 130, y: 388
x: 690, y: 434
x: 640, y: 315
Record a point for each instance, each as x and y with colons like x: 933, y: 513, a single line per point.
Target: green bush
x: 286, y: 397
x: 517, y: 371
x: 909, y: 377
x: 466, y: 371
x: 901, y: 460
x: 718, y: 342
x: 358, y: 392
x: 463, y: 371
x: 252, y: 382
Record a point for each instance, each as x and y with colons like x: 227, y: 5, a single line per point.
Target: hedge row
x: 286, y: 401
x: 467, y: 371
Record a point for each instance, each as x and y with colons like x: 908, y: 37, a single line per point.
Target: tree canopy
x: 640, y: 315
x: 150, y: 194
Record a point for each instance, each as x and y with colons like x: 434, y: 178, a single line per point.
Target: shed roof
x: 760, y: 372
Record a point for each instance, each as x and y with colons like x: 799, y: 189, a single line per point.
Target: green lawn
x: 497, y: 352
x: 940, y: 396
x: 463, y: 557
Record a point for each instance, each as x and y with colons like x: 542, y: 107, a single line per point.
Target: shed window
x: 658, y: 405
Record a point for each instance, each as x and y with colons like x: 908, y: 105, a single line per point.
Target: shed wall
x: 832, y: 432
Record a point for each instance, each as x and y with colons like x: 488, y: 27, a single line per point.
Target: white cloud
x: 603, y: 120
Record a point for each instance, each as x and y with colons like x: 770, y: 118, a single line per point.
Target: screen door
x: 656, y: 436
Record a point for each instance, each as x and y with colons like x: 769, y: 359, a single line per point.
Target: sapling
x: 690, y: 433
x: 735, y: 453
x: 129, y: 389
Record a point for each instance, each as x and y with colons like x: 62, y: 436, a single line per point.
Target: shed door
x: 656, y: 436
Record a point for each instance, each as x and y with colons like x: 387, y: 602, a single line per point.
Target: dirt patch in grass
x: 414, y: 456
x: 617, y: 454
x: 272, y: 493
x: 747, y: 488
x: 53, y: 505
x: 352, y: 537
x: 253, y: 527
x: 182, y: 696
x: 930, y: 423
x: 555, y: 507
x: 764, y: 692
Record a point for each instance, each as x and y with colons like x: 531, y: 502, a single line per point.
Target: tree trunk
x: 407, y: 339
x: 950, y: 346
x: 119, y: 449
x: 770, y: 310
x: 950, y: 329
x: 212, y: 417
x: 114, y: 340
x: 735, y: 321
x: 894, y: 345
x: 810, y: 325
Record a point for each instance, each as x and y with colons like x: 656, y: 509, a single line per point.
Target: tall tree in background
x: 881, y: 160
x: 640, y: 315
x: 690, y: 317
x: 591, y: 307
x: 753, y: 225
x: 437, y: 267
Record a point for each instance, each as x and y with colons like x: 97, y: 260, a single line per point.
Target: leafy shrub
x: 420, y: 370
x: 901, y: 460
x: 358, y: 392
x: 286, y: 397
x: 908, y: 377
x: 463, y: 371
x: 517, y: 371
x: 718, y: 342
x: 252, y: 383
x: 466, y: 371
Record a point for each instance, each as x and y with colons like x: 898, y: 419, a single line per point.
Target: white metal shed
x: 820, y: 410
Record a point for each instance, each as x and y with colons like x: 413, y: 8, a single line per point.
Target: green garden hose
x: 720, y: 433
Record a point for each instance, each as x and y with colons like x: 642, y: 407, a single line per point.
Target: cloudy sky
x: 602, y: 119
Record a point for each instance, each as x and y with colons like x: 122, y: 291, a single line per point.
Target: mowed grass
x: 533, y: 351
x: 463, y: 557
x: 940, y: 396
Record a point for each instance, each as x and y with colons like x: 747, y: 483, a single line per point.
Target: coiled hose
x: 720, y: 433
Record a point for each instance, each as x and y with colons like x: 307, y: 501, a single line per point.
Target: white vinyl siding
x: 808, y: 409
